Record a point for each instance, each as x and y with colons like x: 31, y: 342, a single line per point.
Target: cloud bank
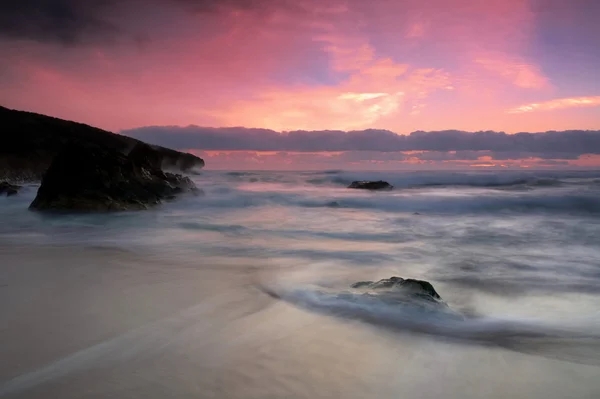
x: 568, y: 144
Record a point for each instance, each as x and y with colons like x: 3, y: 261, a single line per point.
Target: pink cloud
x: 416, y: 30
x: 398, y: 65
x: 358, y: 102
x: 376, y: 87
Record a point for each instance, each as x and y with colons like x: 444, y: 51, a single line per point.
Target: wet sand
x: 103, y: 322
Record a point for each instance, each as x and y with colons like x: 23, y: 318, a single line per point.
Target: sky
x: 341, y: 78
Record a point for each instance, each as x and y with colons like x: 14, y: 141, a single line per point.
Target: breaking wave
x: 576, y: 341
x: 465, y: 179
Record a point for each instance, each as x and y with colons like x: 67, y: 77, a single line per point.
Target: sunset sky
x: 284, y: 65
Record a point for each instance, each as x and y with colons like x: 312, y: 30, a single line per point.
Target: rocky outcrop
x: 29, y: 142
x: 8, y: 189
x: 145, y: 156
x: 371, y: 185
x: 89, y: 177
x: 409, y: 286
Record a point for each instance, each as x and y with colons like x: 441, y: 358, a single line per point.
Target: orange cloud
x: 358, y: 102
x: 560, y: 103
x: 587, y: 161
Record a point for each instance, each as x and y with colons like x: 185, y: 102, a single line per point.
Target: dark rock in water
x: 371, y: 185
x: 410, y: 286
x: 333, y: 204
x: 8, y: 189
x: 362, y: 284
x: 95, y: 178
x: 29, y: 142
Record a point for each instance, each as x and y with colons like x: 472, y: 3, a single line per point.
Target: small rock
x: 371, y: 185
x: 9, y: 189
x: 412, y: 286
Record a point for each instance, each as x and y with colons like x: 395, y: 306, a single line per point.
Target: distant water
x: 245, y: 292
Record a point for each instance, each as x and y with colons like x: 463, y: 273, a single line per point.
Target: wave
x: 570, y: 203
x: 573, y: 341
x: 567, y: 202
x: 454, y: 179
x: 240, y: 174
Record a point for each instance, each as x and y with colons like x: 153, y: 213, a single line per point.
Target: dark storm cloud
x: 74, y: 22
x: 550, y: 145
x: 205, y: 6
x: 64, y: 21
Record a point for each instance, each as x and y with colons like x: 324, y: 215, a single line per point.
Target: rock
x: 182, y: 161
x: 8, y: 189
x: 29, y: 142
x: 145, y: 156
x: 88, y: 177
x: 409, y: 286
x: 371, y: 185
x: 333, y: 204
x: 159, y: 158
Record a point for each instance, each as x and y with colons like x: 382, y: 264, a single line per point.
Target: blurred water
x: 171, y: 302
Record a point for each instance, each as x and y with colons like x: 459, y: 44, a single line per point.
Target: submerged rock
x: 8, y: 189
x: 87, y: 177
x: 408, y: 286
x: 371, y: 185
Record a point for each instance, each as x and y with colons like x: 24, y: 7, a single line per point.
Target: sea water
x: 245, y: 291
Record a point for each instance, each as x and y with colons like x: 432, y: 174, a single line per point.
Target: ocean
x: 245, y: 291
